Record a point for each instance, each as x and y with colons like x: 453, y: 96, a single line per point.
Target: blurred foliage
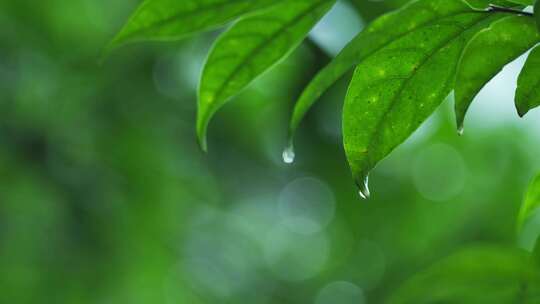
x: 106, y: 198
x: 502, y: 276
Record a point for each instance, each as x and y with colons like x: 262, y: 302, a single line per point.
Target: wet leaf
x: 369, y: 41
x: 537, y: 13
x: 486, y: 55
x: 397, y: 88
x: 174, y: 19
x: 483, y: 4
x: 249, y: 48
x: 528, y: 89
x: 378, y: 35
x: 523, y: 2
x: 484, y: 274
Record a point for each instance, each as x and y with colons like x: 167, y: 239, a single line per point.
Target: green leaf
x: 528, y: 89
x: 378, y: 35
x: 174, y: 19
x: 397, y: 88
x: 530, y: 203
x: 486, y: 55
x: 249, y: 48
x: 484, y: 274
x: 483, y: 4
x: 523, y: 2
x: 537, y: 13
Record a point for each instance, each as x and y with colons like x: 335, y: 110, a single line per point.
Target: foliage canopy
x: 406, y: 63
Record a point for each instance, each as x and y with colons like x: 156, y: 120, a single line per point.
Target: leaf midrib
x: 196, y: 11
x: 260, y: 47
x: 410, y: 77
x: 371, y: 53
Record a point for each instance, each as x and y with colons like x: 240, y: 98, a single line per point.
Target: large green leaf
x: 249, y: 48
x: 537, y: 13
x: 382, y: 32
x: 397, y: 88
x: 480, y: 275
x: 486, y: 55
x: 378, y: 35
x: 530, y: 203
x: 173, y: 19
x: 528, y: 89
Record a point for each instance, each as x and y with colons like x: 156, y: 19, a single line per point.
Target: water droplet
x: 288, y: 155
x: 364, y: 188
x: 460, y: 130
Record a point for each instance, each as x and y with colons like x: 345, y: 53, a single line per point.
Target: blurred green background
x: 106, y: 198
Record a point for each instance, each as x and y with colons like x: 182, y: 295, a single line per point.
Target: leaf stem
x: 496, y: 8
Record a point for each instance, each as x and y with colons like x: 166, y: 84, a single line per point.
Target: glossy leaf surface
x: 528, y: 89
x: 484, y: 4
x: 396, y: 89
x: 486, y: 55
x: 249, y: 48
x: 537, y: 13
x: 173, y: 19
x: 523, y: 2
x: 379, y: 34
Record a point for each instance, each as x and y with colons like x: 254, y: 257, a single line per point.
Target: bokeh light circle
x: 293, y: 256
x: 340, y: 292
x: 306, y: 205
x: 439, y: 172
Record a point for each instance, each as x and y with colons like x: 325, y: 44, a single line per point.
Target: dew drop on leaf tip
x: 363, y: 189
x: 288, y: 155
x: 460, y: 131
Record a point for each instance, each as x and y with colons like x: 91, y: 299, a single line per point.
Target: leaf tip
x: 460, y: 121
x: 521, y: 111
x: 203, y: 145
x: 201, y: 137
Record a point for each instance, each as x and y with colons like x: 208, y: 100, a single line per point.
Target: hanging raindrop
x: 460, y: 130
x: 288, y: 155
x: 363, y: 188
